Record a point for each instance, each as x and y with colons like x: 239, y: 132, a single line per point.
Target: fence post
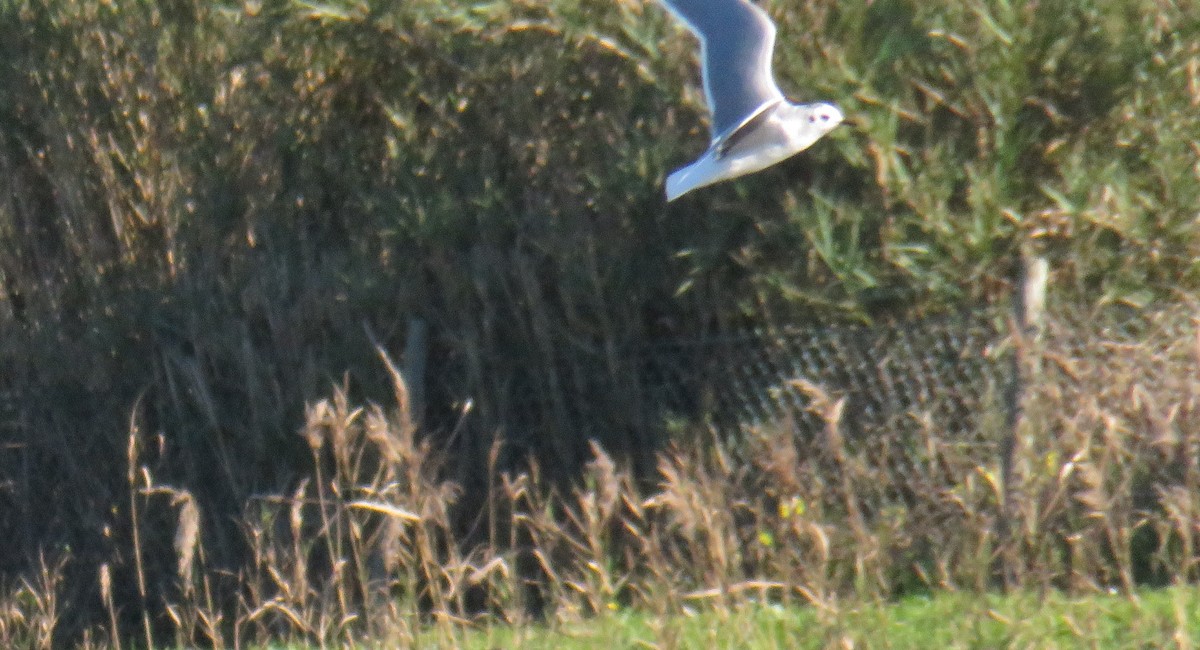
x: 1025, y: 326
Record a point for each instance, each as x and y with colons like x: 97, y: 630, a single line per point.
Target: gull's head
x: 807, y: 123
x: 823, y: 117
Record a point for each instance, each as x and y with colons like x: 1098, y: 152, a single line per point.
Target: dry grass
x: 201, y: 204
x: 371, y: 546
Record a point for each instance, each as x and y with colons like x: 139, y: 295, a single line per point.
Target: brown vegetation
x: 203, y: 203
x: 371, y: 543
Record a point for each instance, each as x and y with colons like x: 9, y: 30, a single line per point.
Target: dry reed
x: 369, y: 546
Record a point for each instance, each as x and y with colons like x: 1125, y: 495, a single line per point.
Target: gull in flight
x: 753, y: 125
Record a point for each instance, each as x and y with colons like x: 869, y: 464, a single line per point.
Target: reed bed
x: 373, y: 546
x: 213, y: 212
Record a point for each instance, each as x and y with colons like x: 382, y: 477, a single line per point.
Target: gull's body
x: 753, y: 125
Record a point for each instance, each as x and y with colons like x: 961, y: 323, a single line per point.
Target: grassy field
x: 220, y: 222
x: 1148, y: 619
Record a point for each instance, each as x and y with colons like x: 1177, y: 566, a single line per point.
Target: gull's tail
x: 698, y: 174
x: 677, y: 184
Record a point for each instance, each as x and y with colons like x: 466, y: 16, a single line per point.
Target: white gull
x: 753, y: 125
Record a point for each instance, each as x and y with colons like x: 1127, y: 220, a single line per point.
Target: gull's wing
x: 736, y: 39
x: 729, y: 139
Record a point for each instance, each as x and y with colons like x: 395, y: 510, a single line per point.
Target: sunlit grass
x: 1149, y: 618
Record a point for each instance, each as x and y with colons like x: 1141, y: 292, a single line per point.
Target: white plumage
x: 753, y: 125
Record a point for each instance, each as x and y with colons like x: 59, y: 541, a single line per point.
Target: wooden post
x: 1025, y: 325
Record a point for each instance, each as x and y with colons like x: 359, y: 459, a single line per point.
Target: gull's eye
x: 812, y: 119
x: 825, y: 117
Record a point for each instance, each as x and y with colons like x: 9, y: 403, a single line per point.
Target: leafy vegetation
x: 202, y: 203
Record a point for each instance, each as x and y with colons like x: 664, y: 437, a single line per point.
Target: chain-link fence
x: 956, y: 373
x: 946, y: 369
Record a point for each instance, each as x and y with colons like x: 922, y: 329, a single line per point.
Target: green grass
x: 1149, y: 619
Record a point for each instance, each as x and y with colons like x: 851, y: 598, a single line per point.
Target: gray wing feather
x: 736, y: 39
x: 730, y: 138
